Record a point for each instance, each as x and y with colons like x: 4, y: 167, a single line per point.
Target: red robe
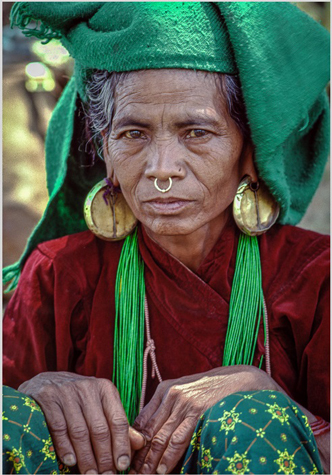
x: 61, y: 317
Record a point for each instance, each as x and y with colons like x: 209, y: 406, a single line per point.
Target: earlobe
x: 111, y: 173
x: 114, y: 179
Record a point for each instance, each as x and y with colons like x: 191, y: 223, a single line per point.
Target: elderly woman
x: 191, y: 107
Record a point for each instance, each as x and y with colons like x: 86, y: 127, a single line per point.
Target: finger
x: 99, y: 433
x: 158, y: 445
x: 137, y: 440
x: 151, y: 426
x: 139, y: 458
x: 118, y: 423
x: 150, y: 432
x: 59, y: 432
x: 177, y: 446
x: 149, y: 410
x: 79, y: 435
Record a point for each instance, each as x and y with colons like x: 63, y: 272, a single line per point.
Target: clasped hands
x: 88, y: 424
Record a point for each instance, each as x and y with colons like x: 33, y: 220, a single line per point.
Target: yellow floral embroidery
x: 229, y: 420
x: 278, y: 412
x: 214, y: 440
x: 260, y: 433
x: 17, y: 458
x: 283, y: 437
x: 196, y: 440
x: 31, y: 403
x: 315, y: 470
x: 48, y: 449
x: 64, y: 469
x: 285, y: 462
x: 206, y: 458
x: 13, y: 407
x: 272, y: 396
x: 238, y: 464
x: 262, y: 460
x: 26, y: 428
x: 305, y: 420
x: 6, y: 437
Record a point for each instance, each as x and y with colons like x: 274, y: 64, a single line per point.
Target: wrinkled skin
x: 167, y: 123
x: 174, y: 123
x: 86, y: 419
x: 169, y: 420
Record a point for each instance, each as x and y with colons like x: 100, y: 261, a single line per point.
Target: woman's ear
x: 109, y: 162
x: 247, y: 162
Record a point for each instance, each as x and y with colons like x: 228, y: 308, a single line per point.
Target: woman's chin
x: 169, y: 226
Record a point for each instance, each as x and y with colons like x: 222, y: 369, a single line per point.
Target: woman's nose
x: 165, y: 161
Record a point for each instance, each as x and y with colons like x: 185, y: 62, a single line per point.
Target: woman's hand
x: 86, y: 420
x: 169, y: 420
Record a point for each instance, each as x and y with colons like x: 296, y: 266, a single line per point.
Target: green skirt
x: 249, y: 432
x: 253, y: 432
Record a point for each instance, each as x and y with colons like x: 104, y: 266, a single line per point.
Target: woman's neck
x: 191, y: 249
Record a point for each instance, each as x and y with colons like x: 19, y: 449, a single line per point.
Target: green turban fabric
x: 280, y: 54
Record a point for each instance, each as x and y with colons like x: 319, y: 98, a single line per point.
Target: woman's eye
x: 133, y: 134
x: 196, y: 133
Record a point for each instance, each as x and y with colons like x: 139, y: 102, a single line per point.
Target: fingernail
x: 123, y: 462
x: 69, y: 459
x: 91, y: 471
x: 162, y: 469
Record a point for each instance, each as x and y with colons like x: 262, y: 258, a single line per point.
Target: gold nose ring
x: 163, y: 190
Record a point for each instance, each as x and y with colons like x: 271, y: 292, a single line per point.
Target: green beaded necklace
x: 245, y: 312
x: 246, y: 305
x: 129, y: 326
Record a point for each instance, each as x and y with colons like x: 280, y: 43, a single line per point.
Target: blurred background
x: 34, y: 76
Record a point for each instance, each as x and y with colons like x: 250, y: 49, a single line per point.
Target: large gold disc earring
x: 254, y: 208
x: 107, y: 213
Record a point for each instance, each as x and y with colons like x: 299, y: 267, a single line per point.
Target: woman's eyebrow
x: 201, y: 121
x: 128, y: 121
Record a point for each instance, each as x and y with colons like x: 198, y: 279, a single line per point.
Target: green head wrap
x: 280, y: 54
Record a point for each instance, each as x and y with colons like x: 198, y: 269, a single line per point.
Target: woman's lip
x: 168, y: 204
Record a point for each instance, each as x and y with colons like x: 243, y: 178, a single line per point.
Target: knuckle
x: 46, y: 393
x: 79, y: 433
x: 158, y: 443
x: 100, y: 432
x: 58, y: 429
x: 177, y: 388
x: 120, y: 424
x: 176, y: 441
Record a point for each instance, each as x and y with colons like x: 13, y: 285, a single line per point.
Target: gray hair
x: 100, y: 94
